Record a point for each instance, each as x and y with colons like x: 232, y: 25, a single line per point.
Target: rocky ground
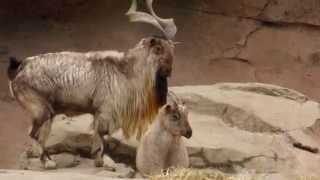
x: 239, y: 128
x: 31, y: 175
x: 266, y: 41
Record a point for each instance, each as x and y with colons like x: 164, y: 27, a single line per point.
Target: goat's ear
x: 184, y: 108
x: 154, y: 42
x: 150, y: 42
x: 156, y: 45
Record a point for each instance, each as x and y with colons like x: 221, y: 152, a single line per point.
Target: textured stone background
x: 269, y: 41
x: 272, y: 41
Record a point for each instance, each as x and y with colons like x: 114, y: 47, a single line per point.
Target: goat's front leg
x: 97, y: 150
x: 101, y: 127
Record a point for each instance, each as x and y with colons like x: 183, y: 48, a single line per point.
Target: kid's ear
x: 184, y: 108
x: 168, y: 108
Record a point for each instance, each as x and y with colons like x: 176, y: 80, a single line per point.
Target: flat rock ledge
x: 238, y: 127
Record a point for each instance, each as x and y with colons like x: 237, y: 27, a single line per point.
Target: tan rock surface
x: 237, y: 127
x: 35, y: 175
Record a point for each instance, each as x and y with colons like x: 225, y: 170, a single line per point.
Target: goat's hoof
x: 49, y: 164
x: 98, y: 163
x: 109, y: 168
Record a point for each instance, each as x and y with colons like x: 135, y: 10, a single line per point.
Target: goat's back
x: 68, y: 78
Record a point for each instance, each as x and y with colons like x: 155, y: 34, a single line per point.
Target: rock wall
x: 270, y: 41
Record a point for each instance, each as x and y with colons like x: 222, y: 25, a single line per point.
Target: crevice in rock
x: 282, y: 24
x: 245, y: 160
x: 230, y: 166
x: 266, y: 5
x: 251, y: 33
x: 270, y: 91
x: 299, y: 145
x: 303, y: 147
x: 115, y: 149
x: 201, y: 156
x: 234, y: 52
x: 120, y: 152
x: 241, y: 60
x: 231, y: 115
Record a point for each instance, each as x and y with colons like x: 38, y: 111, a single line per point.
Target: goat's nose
x: 188, y: 133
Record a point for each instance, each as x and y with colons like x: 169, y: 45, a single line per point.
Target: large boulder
x: 238, y: 127
x: 259, y: 127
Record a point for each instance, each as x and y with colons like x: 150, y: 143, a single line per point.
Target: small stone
x: 197, y: 162
x: 109, y: 168
x: 49, y: 164
x: 66, y: 160
x: 23, y: 161
x: 62, y: 117
x: 124, y: 171
x: 32, y: 164
x: 109, y: 164
x: 138, y: 175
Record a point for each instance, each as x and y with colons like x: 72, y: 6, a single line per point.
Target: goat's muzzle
x: 188, y: 134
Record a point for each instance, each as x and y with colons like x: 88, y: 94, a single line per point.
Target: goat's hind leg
x: 42, y: 113
x: 44, y: 133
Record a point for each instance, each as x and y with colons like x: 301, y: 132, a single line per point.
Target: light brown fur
x: 122, y: 90
x: 162, y: 146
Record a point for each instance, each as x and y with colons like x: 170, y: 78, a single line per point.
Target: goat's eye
x: 158, y: 50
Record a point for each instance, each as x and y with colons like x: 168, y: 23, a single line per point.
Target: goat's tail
x: 12, y: 71
x: 14, y: 65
